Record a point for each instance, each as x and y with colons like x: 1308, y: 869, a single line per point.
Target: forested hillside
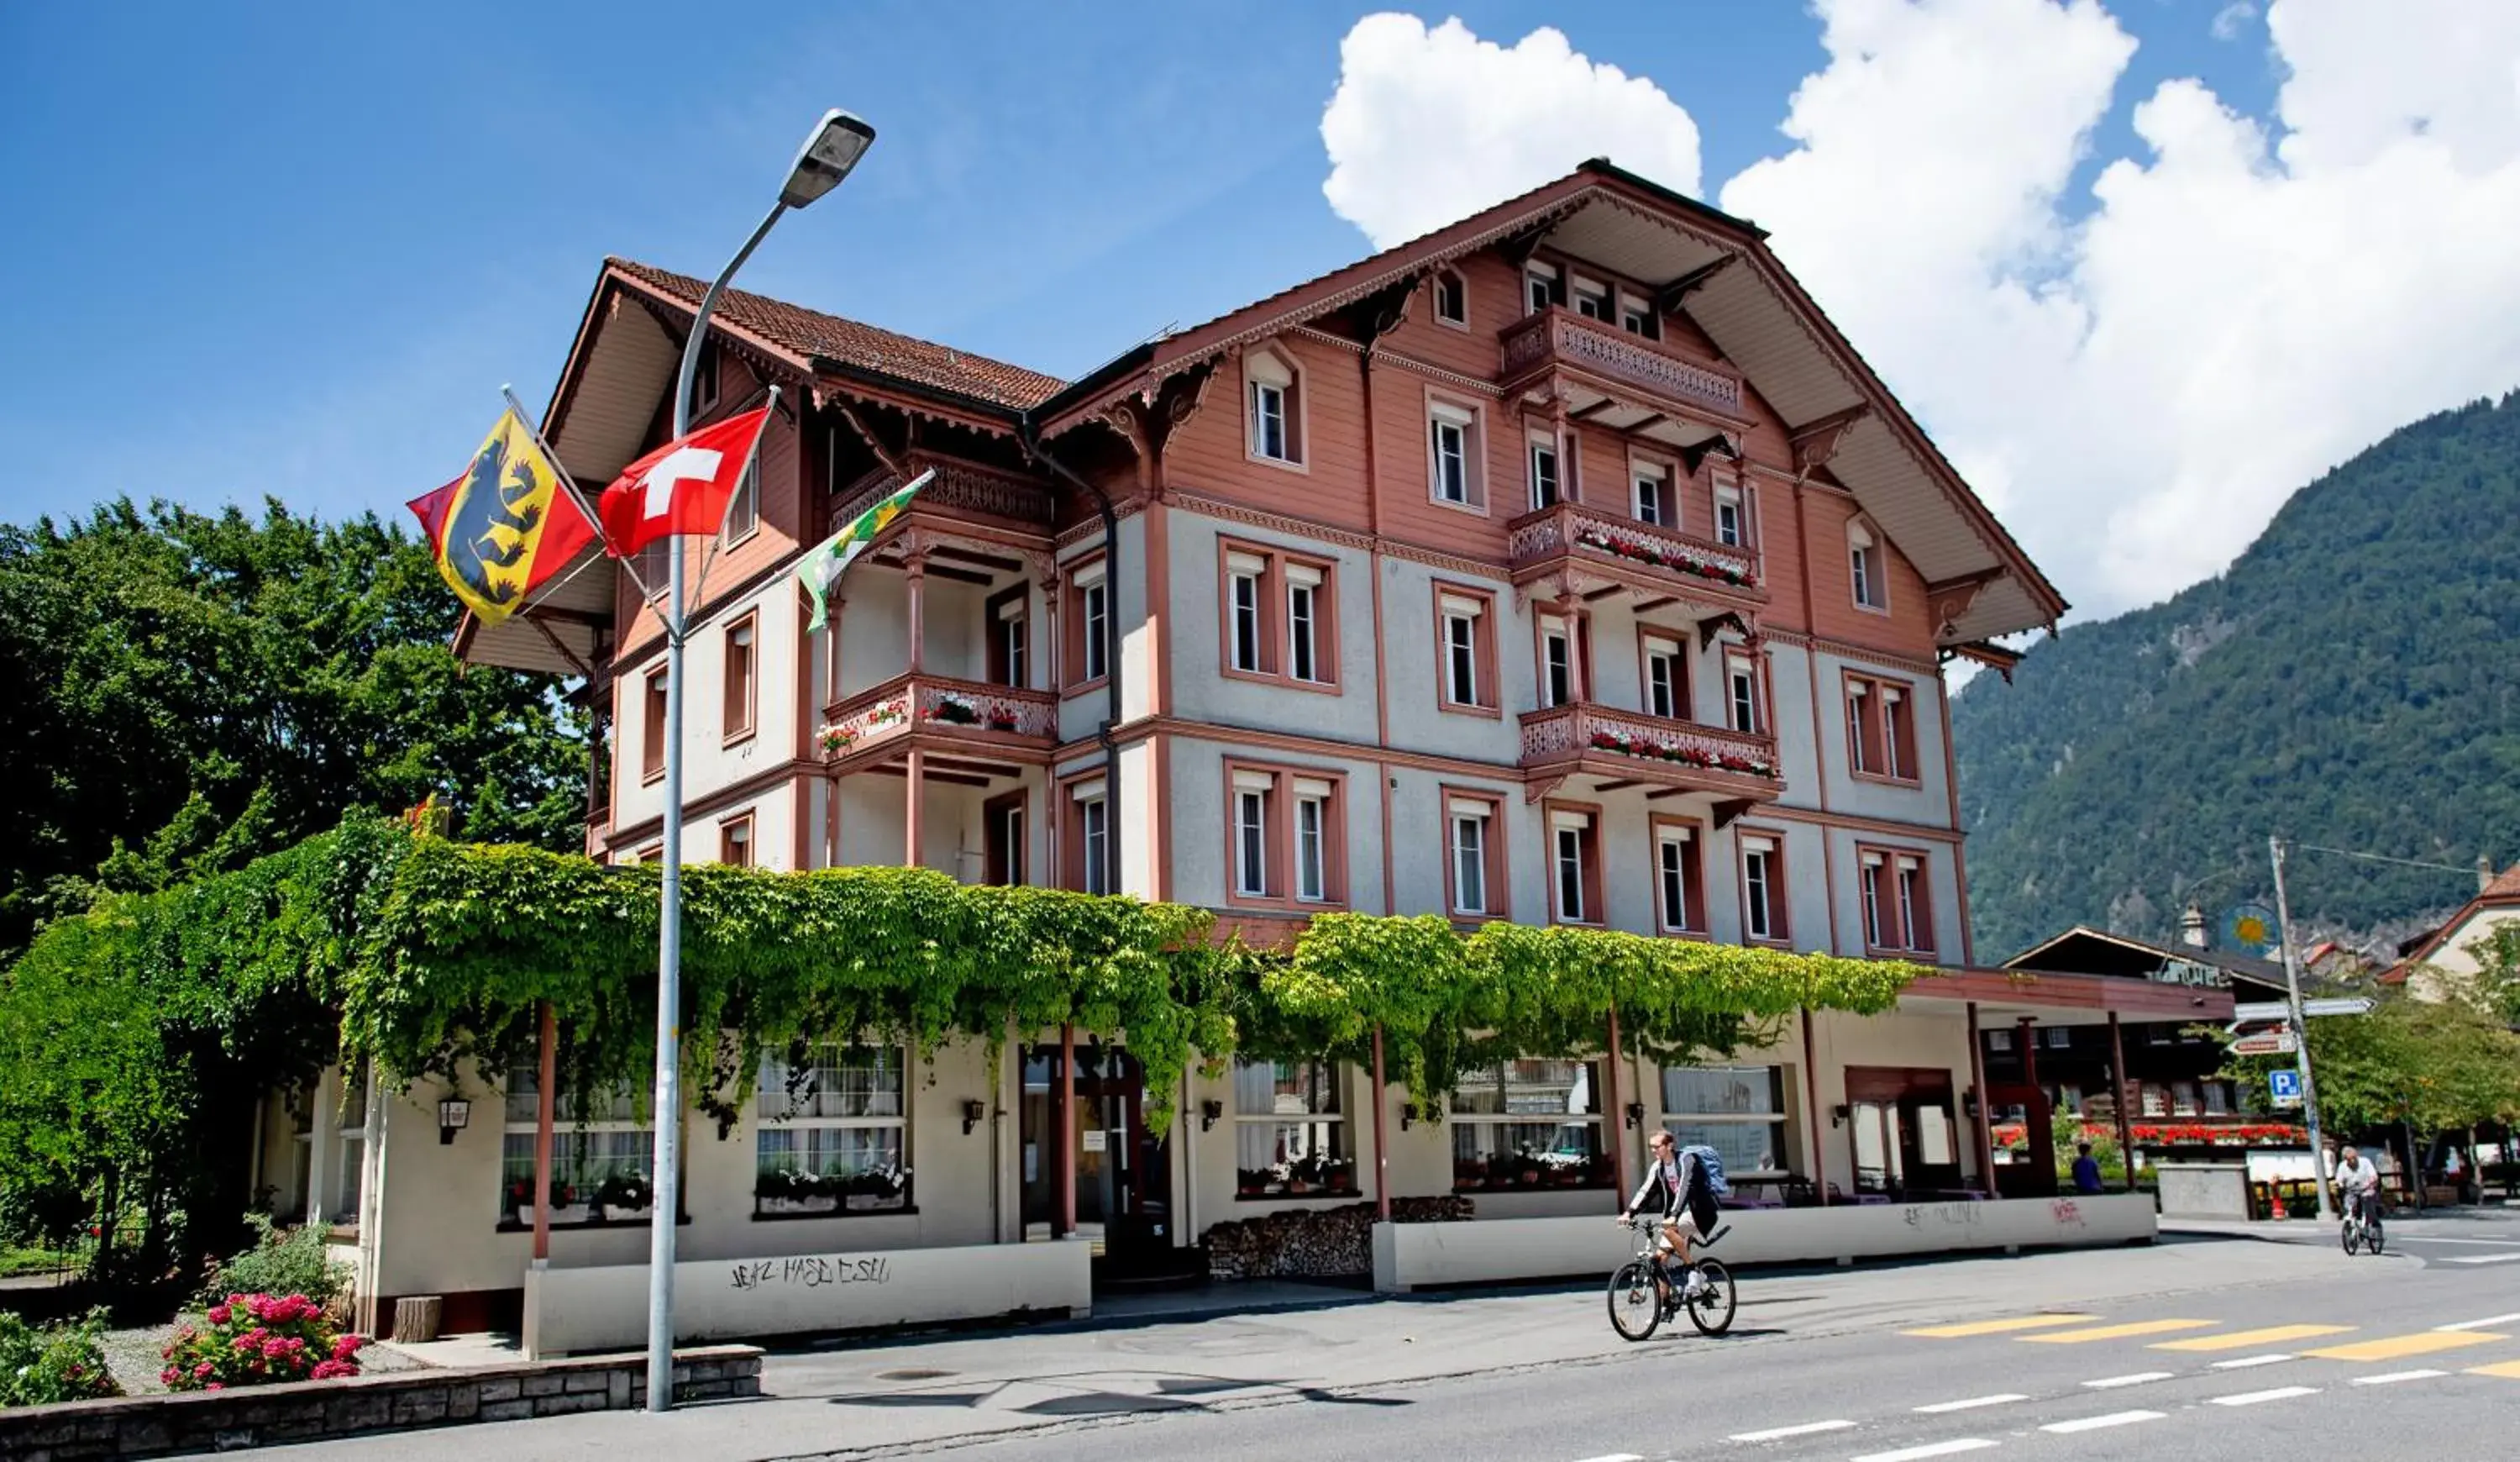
x: 2352, y: 679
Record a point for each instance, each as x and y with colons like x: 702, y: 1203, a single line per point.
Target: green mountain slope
x: 2352, y: 680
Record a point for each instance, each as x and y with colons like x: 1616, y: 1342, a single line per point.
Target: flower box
x: 783, y: 1206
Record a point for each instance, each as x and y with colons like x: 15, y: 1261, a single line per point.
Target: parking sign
x: 2284, y: 1087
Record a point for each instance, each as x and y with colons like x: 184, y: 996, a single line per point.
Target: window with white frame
x: 1898, y: 733
x: 1470, y: 832
x: 1541, y: 286
x: 1873, y: 873
x: 1290, y: 1133
x: 1741, y: 693
x: 1273, y: 407
x: 1574, y: 866
x: 743, y: 507
x: 1679, y: 891
x: 1094, y: 602
x: 1304, y: 621
x: 1591, y: 300
x: 1762, y: 888
x: 1652, y: 496
x: 602, y: 1154
x: 1092, y: 847
x: 1637, y: 317
x: 1666, y: 680
x: 1544, y: 471
x: 1557, y: 680
x: 1464, y: 624
x: 833, y: 1132
x: 1524, y: 1124
x: 1728, y: 516
x: 1010, y: 627
x: 1312, y: 841
x: 1739, y: 1110
x: 1864, y: 567
x: 1451, y: 430
x: 1252, y: 791
x: 1452, y: 297
x: 1915, y: 909
x: 1243, y: 575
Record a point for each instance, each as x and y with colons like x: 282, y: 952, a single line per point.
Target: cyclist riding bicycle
x: 1675, y: 1184
x: 2359, y: 1183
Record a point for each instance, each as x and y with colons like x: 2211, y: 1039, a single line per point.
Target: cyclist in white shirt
x: 2359, y: 1183
x: 1677, y: 1185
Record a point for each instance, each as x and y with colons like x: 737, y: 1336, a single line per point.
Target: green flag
x: 823, y: 568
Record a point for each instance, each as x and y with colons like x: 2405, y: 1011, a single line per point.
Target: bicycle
x: 1637, y: 1304
x: 2361, y: 1228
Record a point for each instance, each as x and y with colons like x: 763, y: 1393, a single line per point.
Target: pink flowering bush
x: 258, y: 1340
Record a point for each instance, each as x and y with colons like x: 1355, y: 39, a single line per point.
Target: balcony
x: 1624, y: 749
x: 1587, y: 545
x: 966, y: 730
x: 1559, y: 338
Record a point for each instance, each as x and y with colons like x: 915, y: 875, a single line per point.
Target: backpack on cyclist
x: 1711, y: 1163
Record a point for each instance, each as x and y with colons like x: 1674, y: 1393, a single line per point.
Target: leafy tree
x: 2435, y: 1065
x: 2497, y: 970
x: 181, y: 692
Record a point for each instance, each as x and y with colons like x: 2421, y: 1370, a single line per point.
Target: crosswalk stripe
x: 2391, y: 1378
x: 2095, y: 1422
x: 2111, y: 1383
x: 1971, y: 1404
x: 2115, y: 1332
x: 2397, y: 1347
x: 2509, y: 1370
x: 2255, y: 1397
x: 2484, y: 1258
x: 1616, y: 1457
x: 1929, y: 1450
x: 2247, y: 1363
x: 2241, y: 1340
x: 2488, y: 1323
x: 1776, y: 1433
x: 1997, y: 1327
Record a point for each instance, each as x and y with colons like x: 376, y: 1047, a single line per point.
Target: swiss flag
x: 682, y: 487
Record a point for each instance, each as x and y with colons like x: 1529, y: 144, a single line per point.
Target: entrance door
x: 2035, y: 1174
x: 1906, y: 1142
x: 1122, y: 1171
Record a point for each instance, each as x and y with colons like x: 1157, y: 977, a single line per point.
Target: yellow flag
x: 504, y: 527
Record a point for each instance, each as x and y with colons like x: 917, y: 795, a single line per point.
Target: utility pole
x: 2300, y: 1029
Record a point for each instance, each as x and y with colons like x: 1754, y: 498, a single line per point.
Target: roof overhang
x: 2007, y: 996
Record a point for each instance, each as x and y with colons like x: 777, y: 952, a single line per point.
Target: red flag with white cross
x: 682, y: 487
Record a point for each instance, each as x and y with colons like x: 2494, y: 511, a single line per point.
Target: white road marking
x: 2392, y: 1377
x: 1616, y: 1457
x: 2095, y: 1422
x: 2484, y: 1258
x: 1774, y: 1434
x: 2488, y: 1323
x: 2256, y: 1398
x: 2444, y: 1239
x: 1971, y: 1404
x: 2247, y: 1361
x: 1930, y: 1449
x: 2137, y: 1378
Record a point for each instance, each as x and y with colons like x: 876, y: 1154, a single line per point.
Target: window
x: 833, y: 1132
x: 1741, y: 693
x: 1088, y: 626
x: 1880, y: 727
x: 743, y: 507
x: 1276, y: 407
x: 1739, y: 1110
x: 1575, y: 866
x: 1542, y: 287
x: 1653, y: 498
x: 1475, y: 862
x: 1898, y: 733
x: 1915, y: 910
x: 1466, y: 627
x: 1285, y: 836
x: 2182, y: 1099
x: 1089, y: 836
x: 1290, y: 1136
x: 704, y: 381
x: 1762, y: 888
x: 1558, y: 682
x: 1862, y: 727
x: 1453, y: 472
x: 1010, y: 636
x: 602, y: 1154
x: 1863, y: 564
x: 1243, y: 575
x: 1637, y: 317
x: 1312, y: 853
x: 1998, y: 1042
x: 735, y: 841
x: 1544, y: 471
x: 656, y: 565
x: 736, y: 712
x: 1452, y: 297
x: 1251, y: 796
x: 1666, y: 680
x: 1305, y: 585
x: 1680, y: 879
x: 1003, y: 824
x: 1592, y: 301
x: 1528, y: 1124
x: 2218, y: 1097
x: 1728, y: 517
x: 652, y: 728
x: 1278, y: 617
x: 1876, y: 933
x: 2060, y: 1037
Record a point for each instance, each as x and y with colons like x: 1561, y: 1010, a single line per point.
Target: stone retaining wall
x: 157, y: 1425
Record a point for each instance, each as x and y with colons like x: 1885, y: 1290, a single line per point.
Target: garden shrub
x: 294, y: 1262
x: 258, y: 1340
x: 63, y: 1362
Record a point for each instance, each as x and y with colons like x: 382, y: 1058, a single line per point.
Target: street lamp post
x: 834, y: 147
x: 2300, y: 1030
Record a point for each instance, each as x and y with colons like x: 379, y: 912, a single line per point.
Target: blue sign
x: 2284, y: 1086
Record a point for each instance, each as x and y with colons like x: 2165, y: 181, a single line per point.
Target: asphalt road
x: 2222, y: 1348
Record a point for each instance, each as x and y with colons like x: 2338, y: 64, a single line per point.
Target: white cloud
x: 1430, y: 126
x: 2248, y: 304
x: 2232, y: 19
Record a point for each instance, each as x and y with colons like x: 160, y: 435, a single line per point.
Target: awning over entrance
x: 2004, y: 996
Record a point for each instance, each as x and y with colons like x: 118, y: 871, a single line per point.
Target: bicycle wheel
x: 2353, y: 1240
x: 1711, y: 1311
x: 2372, y: 1236
x: 1636, y: 1304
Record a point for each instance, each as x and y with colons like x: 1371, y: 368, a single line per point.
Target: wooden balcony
x: 968, y: 731
x: 964, y: 491
x: 1591, y: 547
x: 1617, y: 749
x: 1559, y: 338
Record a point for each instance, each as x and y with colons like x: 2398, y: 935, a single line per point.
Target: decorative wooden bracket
x: 895, y: 458
x: 1950, y: 598
x: 1731, y: 808
x: 1992, y: 656
x: 1815, y: 442
x: 1518, y: 249
x: 1533, y: 793
x: 1708, y: 628
x: 1691, y: 457
x: 1669, y: 297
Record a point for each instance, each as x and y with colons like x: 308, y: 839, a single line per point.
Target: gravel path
x: 134, y: 1356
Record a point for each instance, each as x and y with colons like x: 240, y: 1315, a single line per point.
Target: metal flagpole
x: 2300, y: 1030
x: 709, y: 553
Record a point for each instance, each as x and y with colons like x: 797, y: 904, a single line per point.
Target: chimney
x: 2191, y: 928
x: 2484, y: 873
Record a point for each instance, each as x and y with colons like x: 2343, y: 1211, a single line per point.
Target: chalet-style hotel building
x: 1566, y: 565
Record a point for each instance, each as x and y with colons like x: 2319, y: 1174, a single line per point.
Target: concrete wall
x: 1413, y: 1255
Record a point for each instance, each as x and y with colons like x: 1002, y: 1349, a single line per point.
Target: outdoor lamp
x: 454, y: 1114
x: 826, y: 156
x: 1407, y: 1114
x: 1838, y: 1115
x: 973, y: 1112
x: 1635, y: 1115
x: 1209, y: 1112
x: 1968, y: 1103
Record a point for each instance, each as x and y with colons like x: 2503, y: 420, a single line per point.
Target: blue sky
x: 295, y: 250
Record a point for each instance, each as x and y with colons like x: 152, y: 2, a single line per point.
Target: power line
x: 2347, y: 853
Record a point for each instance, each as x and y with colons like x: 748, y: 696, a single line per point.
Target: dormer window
x: 1274, y: 407
x: 1452, y: 297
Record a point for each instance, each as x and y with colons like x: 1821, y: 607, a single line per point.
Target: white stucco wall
x: 1201, y: 690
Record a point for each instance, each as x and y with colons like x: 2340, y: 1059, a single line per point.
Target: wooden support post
x: 1984, y: 1125
x: 1615, y: 1119
x: 546, y: 1075
x: 2126, y: 1118
x: 1381, y: 1148
x: 916, y: 803
x: 1067, y: 1130
x: 916, y: 571
x: 1811, y: 1115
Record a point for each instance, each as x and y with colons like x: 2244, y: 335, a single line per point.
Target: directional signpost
x: 2271, y: 1043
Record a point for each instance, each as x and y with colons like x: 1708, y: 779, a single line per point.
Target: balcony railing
x: 1559, y: 337
x: 958, y: 485
x: 938, y: 703
x: 1573, y: 529
x: 1661, y: 750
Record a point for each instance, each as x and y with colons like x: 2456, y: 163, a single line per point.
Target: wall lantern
x: 973, y: 1112
x: 454, y: 1114
x: 1635, y: 1115
x: 1209, y: 1112
x: 1407, y: 1114
x: 1968, y: 1103
x: 1838, y: 1115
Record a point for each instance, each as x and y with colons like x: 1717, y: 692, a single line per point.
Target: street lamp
x: 831, y: 151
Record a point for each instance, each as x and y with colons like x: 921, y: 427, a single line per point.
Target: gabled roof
x: 2086, y: 950
x: 2500, y: 893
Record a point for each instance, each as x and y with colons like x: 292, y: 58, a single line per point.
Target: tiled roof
x: 812, y: 333
x: 2505, y: 887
